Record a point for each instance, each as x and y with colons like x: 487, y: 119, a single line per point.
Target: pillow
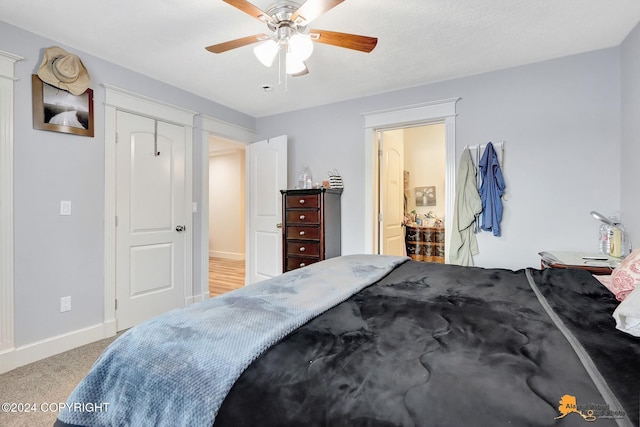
x: 624, y: 277
x: 627, y: 314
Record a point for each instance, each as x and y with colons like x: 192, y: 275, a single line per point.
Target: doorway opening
x: 443, y: 111
x: 226, y: 215
x: 412, y: 188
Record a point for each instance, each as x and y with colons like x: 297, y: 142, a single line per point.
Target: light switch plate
x: 65, y: 304
x: 65, y: 207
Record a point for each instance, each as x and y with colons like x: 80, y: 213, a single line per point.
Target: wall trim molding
x: 7, y: 313
x: 39, y: 350
x: 443, y: 111
x: 125, y: 100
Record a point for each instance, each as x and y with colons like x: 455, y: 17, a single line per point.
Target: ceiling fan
x: 287, y: 22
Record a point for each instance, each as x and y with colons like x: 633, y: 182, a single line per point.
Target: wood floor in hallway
x: 225, y: 275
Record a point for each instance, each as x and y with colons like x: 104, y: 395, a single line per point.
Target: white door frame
x: 7, y: 326
x: 124, y: 100
x: 222, y: 129
x: 412, y: 115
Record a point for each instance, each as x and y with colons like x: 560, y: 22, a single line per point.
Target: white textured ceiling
x: 419, y: 42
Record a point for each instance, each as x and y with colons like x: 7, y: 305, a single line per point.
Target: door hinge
x: 380, y: 153
x: 117, y: 138
x: 379, y: 216
x: 116, y: 304
x: 116, y: 220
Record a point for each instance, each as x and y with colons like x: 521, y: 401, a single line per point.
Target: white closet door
x: 150, y: 206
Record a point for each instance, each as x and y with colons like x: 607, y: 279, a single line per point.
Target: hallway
x: 225, y: 275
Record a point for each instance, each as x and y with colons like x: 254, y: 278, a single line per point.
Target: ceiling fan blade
x: 250, y: 9
x: 311, y: 9
x: 349, y: 41
x: 232, y: 44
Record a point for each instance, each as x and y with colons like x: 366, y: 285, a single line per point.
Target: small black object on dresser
x: 311, y: 226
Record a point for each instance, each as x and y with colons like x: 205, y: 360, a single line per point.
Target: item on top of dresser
x: 304, y: 179
x: 335, y: 180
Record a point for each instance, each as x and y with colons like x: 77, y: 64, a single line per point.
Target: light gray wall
x: 630, y: 164
x: 560, y: 120
x: 55, y: 255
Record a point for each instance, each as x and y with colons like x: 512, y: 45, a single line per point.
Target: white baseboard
x: 227, y: 255
x: 202, y: 297
x: 23, y: 355
x: 196, y: 298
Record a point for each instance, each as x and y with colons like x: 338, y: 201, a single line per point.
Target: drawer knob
x: 302, y: 201
x: 302, y: 217
x: 302, y: 233
x: 302, y: 264
x: 302, y: 249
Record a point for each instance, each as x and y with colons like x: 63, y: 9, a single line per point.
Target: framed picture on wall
x: 60, y: 111
x: 426, y: 196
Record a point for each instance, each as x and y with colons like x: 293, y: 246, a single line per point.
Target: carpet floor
x: 34, y: 391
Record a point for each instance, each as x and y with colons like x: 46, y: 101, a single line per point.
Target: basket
x: 335, y: 180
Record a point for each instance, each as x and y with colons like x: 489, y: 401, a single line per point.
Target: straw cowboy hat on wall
x: 64, y: 70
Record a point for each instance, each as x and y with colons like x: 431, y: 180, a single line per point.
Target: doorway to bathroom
x: 412, y: 191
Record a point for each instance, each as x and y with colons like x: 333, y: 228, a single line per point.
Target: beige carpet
x: 43, y: 384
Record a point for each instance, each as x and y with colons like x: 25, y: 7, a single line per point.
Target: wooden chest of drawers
x: 311, y: 226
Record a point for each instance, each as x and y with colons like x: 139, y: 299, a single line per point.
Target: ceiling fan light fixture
x: 266, y: 52
x: 300, y: 46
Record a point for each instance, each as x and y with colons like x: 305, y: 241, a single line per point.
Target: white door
x: 267, y: 175
x: 150, y: 209
x: 392, y: 193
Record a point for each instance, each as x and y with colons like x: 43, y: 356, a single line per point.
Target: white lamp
x: 266, y: 52
x: 300, y: 46
x: 294, y: 65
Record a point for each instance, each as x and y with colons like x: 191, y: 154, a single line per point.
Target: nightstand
x: 594, y: 263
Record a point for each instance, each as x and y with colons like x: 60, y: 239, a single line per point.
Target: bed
x: 369, y: 340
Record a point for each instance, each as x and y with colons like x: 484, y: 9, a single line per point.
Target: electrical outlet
x: 65, y: 207
x: 65, y: 304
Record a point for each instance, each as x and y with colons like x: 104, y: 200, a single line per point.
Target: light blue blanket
x: 176, y: 369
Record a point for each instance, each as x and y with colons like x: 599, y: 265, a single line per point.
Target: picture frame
x: 426, y: 196
x: 57, y: 110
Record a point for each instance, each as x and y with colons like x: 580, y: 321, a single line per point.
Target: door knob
x: 180, y: 228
